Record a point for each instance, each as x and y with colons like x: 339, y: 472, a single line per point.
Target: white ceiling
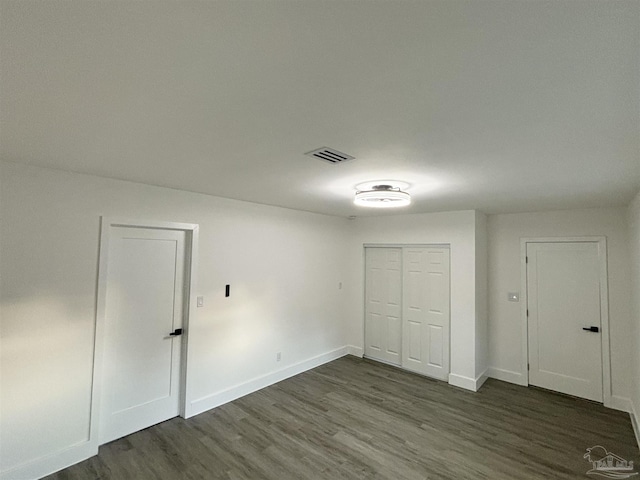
x: 501, y: 106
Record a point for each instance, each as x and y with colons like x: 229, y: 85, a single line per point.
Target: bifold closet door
x: 425, y: 311
x: 383, y: 304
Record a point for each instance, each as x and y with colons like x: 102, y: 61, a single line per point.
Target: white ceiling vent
x: 330, y: 155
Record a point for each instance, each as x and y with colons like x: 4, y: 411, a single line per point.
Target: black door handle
x: 591, y: 329
x: 176, y: 332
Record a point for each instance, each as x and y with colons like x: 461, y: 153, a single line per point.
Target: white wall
x: 482, y: 291
x: 284, y: 267
x: 49, y: 231
x: 633, y: 217
x: 505, y: 320
x: 454, y: 228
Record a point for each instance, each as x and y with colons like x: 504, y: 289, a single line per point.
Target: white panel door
x: 563, y: 294
x: 383, y: 297
x: 425, y: 311
x: 144, y: 305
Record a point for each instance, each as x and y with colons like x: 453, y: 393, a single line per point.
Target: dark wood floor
x: 354, y: 419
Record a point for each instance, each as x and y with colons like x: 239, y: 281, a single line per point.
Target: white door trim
x: 407, y: 245
x: 604, y: 305
x: 191, y: 229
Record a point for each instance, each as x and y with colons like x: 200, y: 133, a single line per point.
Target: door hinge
x: 526, y: 259
x: 527, y: 312
x: 528, y: 367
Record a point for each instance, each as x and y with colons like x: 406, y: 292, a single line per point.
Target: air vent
x: 330, y: 155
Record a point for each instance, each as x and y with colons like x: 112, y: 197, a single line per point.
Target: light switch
x: 200, y: 301
x: 513, y: 296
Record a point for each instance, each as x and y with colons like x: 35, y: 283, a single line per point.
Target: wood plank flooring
x: 357, y: 419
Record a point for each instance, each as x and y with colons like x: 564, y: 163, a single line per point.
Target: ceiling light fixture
x: 382, y: 195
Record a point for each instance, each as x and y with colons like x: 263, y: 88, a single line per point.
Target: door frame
x: 191, y: 251
x: 604, y: 306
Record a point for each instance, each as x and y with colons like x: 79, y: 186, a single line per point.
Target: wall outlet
x: 278, y: 356
x: 200, y: 301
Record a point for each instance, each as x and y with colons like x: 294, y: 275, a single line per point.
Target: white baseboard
x: 220, y: 398
x: 468, y: 383
x: 48, y: 464
x: 619, y: 403
x: 507, y: 376
x: 355, y: 351
x: 481, y: 379
x: 463, y: 382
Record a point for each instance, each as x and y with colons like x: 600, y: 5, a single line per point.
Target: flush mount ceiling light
x: 382, y: 194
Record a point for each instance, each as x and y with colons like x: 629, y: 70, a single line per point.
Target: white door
x: 144, y: 305
x: 563, y: 295
x: 383, y: 297
x: 425, y: 311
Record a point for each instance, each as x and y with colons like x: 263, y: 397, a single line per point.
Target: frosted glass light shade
x: 382, y: 198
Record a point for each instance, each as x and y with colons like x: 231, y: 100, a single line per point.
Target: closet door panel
x: 426, y: 311
x: 407, y: 308
x: 383, y: 304
x: 413, y: 342
x: 435, y: 341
